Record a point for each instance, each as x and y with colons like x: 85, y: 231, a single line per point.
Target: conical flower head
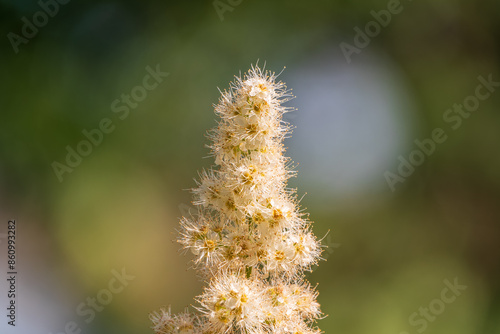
x: 250, y: 240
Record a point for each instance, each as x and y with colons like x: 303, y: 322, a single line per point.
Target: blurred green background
x: 390, y: 250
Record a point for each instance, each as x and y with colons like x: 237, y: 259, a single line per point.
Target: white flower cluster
x: 250, y: 241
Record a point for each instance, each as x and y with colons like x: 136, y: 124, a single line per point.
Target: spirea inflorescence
x: 250, y: 240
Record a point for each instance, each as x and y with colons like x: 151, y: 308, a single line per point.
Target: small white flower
x: 306, y: 248
x: 280, y: 256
